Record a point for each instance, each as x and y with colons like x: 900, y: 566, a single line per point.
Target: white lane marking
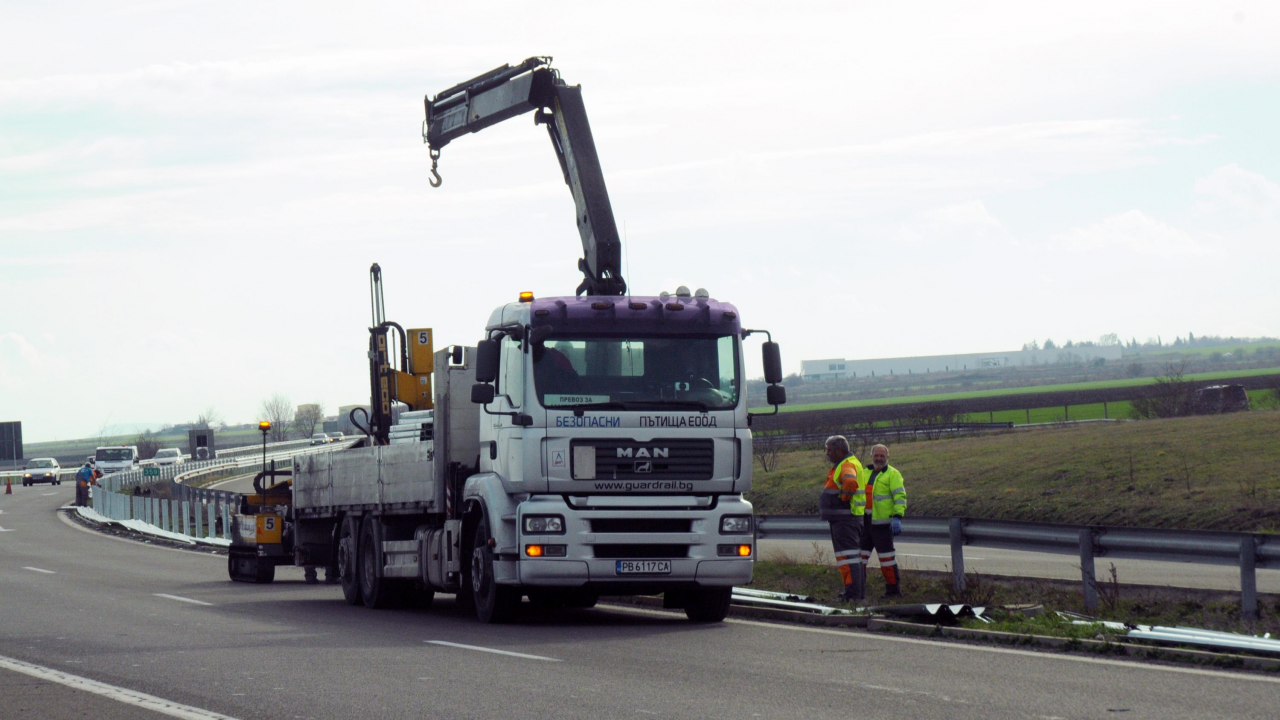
x: 47, y: 494
x: 119, y: 694
x: 5, y: 530
x: 39, y: 570
x: 940, y: 557
x: 1130, y: 664
x: 491, y: 650
x: 182, y: 599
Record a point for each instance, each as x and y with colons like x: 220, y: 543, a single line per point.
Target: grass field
x: 1219, y: 472
x: 1064, y: 387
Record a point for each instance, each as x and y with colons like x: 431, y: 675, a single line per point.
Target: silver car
x: 168, y: 456
x: 42, y: 470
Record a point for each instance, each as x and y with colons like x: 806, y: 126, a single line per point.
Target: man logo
x: 644, y: 452
x: 643, y: 466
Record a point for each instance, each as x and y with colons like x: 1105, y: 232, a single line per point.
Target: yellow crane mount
x: 411, y: 384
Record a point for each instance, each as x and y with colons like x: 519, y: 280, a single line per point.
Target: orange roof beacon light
x: 265, y: 427
x: 526, y: 296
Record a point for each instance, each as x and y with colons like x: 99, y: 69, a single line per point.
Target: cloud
x: 1231, y: 188
x: 967, y: 222
x: 1133, y: 231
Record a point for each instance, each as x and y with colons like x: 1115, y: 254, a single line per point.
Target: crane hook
x: 435, y: 178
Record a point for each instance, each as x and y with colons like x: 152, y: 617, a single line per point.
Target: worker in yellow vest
x: 835, y: 505
x: 883, y: 510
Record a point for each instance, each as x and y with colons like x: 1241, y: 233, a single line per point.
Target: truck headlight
x: 735, y: 525
x: 544, y: 524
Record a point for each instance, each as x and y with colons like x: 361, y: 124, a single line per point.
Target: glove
x: 896, y: 525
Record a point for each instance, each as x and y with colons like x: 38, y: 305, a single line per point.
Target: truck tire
x: 708, y: 604
x: 377, y: 592
x: 348, y: 562
x: 494, y: 603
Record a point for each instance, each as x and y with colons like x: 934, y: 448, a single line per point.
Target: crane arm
x: 533, y: 85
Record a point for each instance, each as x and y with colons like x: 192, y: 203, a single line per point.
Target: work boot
x: 309, y: 575
x: 330, y: 576
x: 892, y: 591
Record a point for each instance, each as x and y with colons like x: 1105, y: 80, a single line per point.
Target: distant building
x: 924, y: 364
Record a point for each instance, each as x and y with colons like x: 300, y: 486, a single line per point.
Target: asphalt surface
x: 167, y: 622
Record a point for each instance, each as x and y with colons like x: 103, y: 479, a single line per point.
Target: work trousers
x: 846, y: 540
x: 879, y: 538
x: 82, y: 493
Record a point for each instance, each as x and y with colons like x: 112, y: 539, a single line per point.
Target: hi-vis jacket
x: 886, y: 495
x: 846, y: 485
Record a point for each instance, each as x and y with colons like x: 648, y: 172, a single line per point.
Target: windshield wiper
x: 608, y: 405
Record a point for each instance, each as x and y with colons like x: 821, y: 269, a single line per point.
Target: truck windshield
x: 663, y: 372
x: 111, y: 454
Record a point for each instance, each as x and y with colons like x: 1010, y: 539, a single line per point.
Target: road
x: 140, y: 618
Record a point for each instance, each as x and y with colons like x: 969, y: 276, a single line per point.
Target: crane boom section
x: 509, y: 91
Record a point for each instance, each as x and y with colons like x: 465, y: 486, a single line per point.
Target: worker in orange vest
x: 844, y: 483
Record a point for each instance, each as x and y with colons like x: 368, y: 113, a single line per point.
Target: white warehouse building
x: 840, y: 368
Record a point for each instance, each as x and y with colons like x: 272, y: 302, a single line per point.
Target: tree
x: 278, y: 410
x: 207, y: 419
x: 148, y: 445
x: 1109, y: 339
x: 1049, y: 344
x: 1032, y: 346
x: 1170, y: 397
x: 305, y: 419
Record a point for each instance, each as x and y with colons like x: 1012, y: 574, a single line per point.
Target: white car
x: 42, y: 470
x: 336, y: 437
x: 319, y: 439
x: 168, y: 456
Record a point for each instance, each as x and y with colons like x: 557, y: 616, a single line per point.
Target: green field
x: 1258, y: 400
x: 1064, y: 387
x: 1219, y: 472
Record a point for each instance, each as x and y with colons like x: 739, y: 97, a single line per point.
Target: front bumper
x: 591, y: 556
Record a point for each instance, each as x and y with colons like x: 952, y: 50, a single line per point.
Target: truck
x: 590, y: 444
x: 116, y: 458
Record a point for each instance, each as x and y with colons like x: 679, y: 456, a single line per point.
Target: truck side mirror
x: 487, y: 361
x: 772, y: 363
x: 482, y: 393
x: 776, y: 395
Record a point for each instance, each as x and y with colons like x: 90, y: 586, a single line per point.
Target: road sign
x: 151, y: 472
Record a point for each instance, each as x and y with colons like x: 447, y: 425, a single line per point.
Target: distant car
x: 319, y: 439
x: 335, y: 437
x: 168, y: 456
x: 1217, y: 399
x: 42, y: 470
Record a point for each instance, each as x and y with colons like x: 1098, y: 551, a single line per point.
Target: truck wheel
x: 348, y: 566
x: 708, y: 604
x: 377, y: 592
x: 494, y: 603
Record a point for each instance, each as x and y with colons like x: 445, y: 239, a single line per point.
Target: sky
x: 191, y: 193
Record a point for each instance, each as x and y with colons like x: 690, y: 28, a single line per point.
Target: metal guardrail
x: 1248, y: 551
x: 164, y: 500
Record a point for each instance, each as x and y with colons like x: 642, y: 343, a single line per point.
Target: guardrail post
x: 226, y: 520
x: 1248, y: 578
x: 186, y: 518
x: 1088, y: 578
x: 957, y: 553
x: 212, y: 530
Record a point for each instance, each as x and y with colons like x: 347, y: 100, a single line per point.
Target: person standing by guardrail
x: 844, y: 485
x: 84, y: 476
x: 886, y: 504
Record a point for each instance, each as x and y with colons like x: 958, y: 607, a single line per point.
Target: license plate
x: 644, y: 567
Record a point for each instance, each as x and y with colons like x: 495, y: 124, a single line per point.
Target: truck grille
x: 622, y: 552
x: 653, y: 460
x: 641, y: 525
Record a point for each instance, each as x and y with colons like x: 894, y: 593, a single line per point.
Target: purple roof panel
x: 636, y: 314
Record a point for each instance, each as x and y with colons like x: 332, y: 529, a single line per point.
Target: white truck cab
x: 115, y: 458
